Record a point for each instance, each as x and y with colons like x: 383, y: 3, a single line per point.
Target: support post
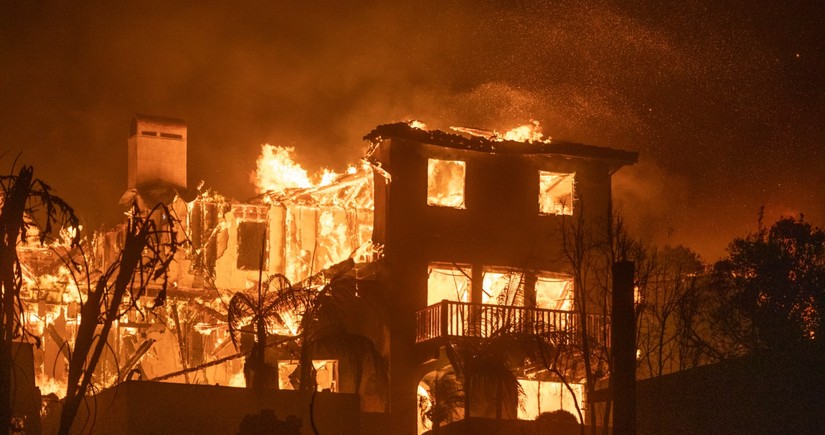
x: 445, y: 318
x: 623, y: 331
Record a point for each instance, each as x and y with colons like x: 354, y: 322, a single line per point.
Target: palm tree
x: 323, y: 330
x: 490, y: 367
x: 445, y: 399
x: 485, y: 369
x: 314, y: 316
x: 263, y: 313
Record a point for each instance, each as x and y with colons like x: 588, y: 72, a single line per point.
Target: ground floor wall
x: 142, y: 407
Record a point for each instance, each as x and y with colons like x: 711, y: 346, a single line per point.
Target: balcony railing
x: 462, y: 319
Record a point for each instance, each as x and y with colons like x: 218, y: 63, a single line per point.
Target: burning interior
x: 304, y: 231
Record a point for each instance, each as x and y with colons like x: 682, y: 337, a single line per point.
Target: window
x: 555, y: 193
x: 540, y: 396
x: 448, y: 281
x: 326, y: 375
x: 250, y: 240
x: 502, y: 287
x: 554, y: 292
x: 445, y: 183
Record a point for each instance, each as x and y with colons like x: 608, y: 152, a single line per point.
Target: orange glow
x: 414, y: 123
x: 445, y: 183
x: 502, y: 287
x: 277, y: 171
x: 49, y: 385
x: 530, y: 132
x: 450, y: 282
x: 540, y: 396
x: 555, y: 193
x: 554, y: 293
x: 237, y: 380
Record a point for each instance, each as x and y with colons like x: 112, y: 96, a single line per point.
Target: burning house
x: 444, y: 237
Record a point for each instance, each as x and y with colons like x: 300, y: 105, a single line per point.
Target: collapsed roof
x: 404, y: 131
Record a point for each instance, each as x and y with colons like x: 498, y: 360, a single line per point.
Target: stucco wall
x: 142, y: 407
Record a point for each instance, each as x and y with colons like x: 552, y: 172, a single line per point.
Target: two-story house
x: 471, y: 235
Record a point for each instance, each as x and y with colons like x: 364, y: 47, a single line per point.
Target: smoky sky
x: 724, y: 100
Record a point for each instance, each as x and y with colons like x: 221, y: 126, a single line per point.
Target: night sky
x: 724, y: 100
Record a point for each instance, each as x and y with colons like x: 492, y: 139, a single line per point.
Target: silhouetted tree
x: 558, y: 416
x: 666, y: 278
x: 485, y: 371
x: 261, y: 313
x: 323, y: 330
x: 590, y: 249
x: 28, y: 208
x: 150, y: 243
x: 770, y: 290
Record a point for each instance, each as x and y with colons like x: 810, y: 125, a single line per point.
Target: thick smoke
x: 724, y: 101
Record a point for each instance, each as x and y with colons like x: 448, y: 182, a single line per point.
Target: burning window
x: 445, y: 183
x: 326, y: 375
x: 448, y: 281
x: 502, y: 287
x: 554, y: 292
x: 555, y: 193
x: 540, y: 396
x: 250, y: 241
x: 507, y: 287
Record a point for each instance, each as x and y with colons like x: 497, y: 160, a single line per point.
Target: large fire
x: 308, y: 223
x: 321, y: 219
x: 276, y: 171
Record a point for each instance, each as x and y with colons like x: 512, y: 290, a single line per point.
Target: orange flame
x: 277, y: 171
x: 530, y: 132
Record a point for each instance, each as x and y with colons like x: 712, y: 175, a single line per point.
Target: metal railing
x: 463, y: 319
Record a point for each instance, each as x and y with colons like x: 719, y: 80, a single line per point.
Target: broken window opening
x: 445, y: 183
x: 326, y: 375
x: 502, y: 287
x: 545, y: 396
x: 448, y: 281
x: 554, y: 292
x: 555, y: 193
x: 250, y: 241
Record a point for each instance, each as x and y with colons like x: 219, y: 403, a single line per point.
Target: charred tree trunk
x: 80, y: 371
x: 145, y: 257
x: 11, y: 223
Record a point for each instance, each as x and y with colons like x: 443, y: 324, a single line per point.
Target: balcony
x: 449, y: 319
